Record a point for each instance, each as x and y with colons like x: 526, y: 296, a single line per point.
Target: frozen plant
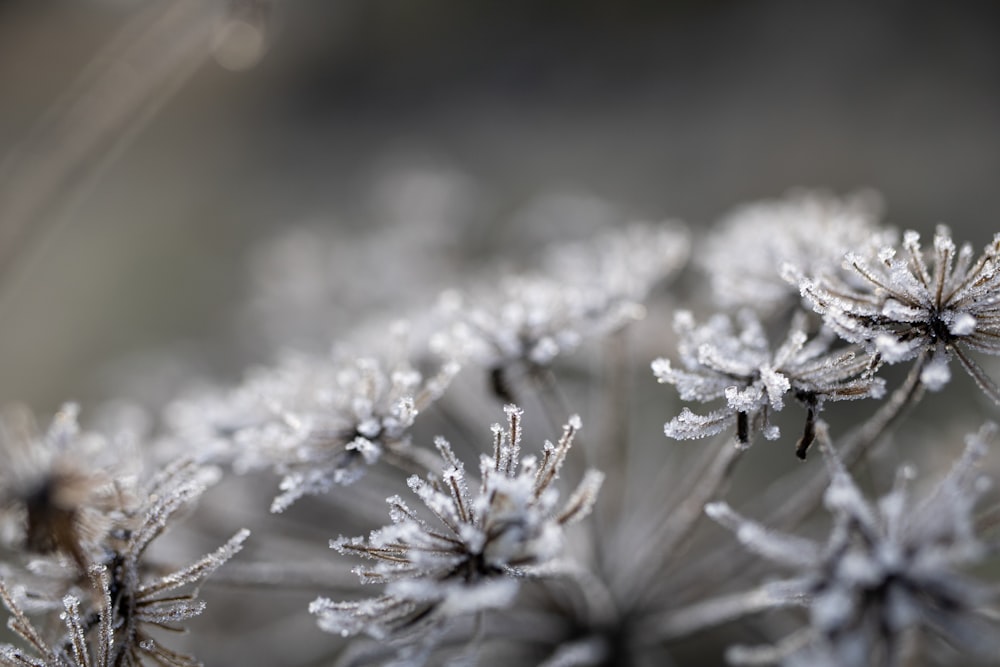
x: 523, y: 329
x: 296, y: 278
x: 53, y: 485
x: 318, y: 422
x: 624, y: 263
x: 591, y: 290
x: 809, y: 230
x: 887, y: 568
x: 480, y: 544
x: 74, y: 649
x: 908, y: 307
x: 94, y: 567
x: 484, y: 569
x: 740, y: 366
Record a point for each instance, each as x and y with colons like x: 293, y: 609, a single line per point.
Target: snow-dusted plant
x: 915, y: 304
x: 55, y: 484
x: 472, y: 549
x: 754, y: 379
x: 624, y: 264
x: 886, y: 569
x: 93, y: 529
x: 592, y: 288
x: 484, y: 569
x: 809, y: 230
x: 318, y: 422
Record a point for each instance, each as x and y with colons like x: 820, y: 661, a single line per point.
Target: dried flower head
x: 907, y: 306
x: 624, y: 263
x: 588, y: 289
x: 886, y: 568
x: 741, y: 367
x: 810, y: 230
x: 142, y: 599
x: 109, y: 623
x: 479, y: 544
x: 317, y: 422
x: 57, y: 482
x: 527, y: 325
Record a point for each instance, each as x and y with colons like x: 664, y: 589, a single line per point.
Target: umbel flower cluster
x: 392, y: 525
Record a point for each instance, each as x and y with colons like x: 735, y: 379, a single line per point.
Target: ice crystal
x: 317, y: 422
x: 886, y: 568
x: 911, y: 303
x: 809, y: 230
x: 481, y: 542
x: 741, y: 367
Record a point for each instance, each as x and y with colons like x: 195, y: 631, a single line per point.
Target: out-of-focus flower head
x: 885, y: 569
x: 810, y: 230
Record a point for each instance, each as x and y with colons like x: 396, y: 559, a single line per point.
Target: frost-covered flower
x: 886, y: 568
x: 297, y: 294
x: 142, y: 599
x: 530, y: 322
x: 624, y: 263
x: 109, y: 622
x: 55, y: 485
x: 318, y: 422
x: 472, y: 548
x: 587, y: 290
x: 741, y: 367
x: 810, y: 230
x: 906, y: 305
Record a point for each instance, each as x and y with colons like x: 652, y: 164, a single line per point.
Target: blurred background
x: 159, y: 154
